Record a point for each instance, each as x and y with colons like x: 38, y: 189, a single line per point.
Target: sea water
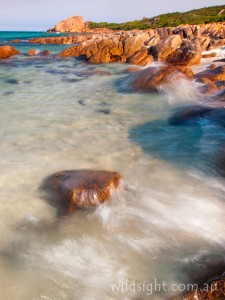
x: 165, y: 224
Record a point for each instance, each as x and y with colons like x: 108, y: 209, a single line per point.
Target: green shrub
x: 197, y: 16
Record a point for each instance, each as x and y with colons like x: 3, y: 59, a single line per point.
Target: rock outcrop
x: 7, y: 51
x: 154, y: 79
x: 58, y: 40
x: 141, y: 58
x: 212, y: 290
x: 82, y: 188
x: 180, y: 45
x: 133, y: 47
x: 105, y: 51
x: 206, y: 36
x: 111, y: 50
x: 74, y: 51
x: 187, y: 54
x: 73, y: 24
x: 166, y: 47
x: 214, y: 75
x: 134, y: 43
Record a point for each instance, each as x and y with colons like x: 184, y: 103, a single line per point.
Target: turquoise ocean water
x: 7, y: 36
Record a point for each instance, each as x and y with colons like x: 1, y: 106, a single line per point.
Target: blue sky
x: 43, y: 14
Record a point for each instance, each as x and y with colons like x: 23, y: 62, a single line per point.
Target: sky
x: 40, y: 15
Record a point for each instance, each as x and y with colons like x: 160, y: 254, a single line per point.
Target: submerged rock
x: 71, y: 80
x: 44, y: 53
x: 82, y: 102
x: 214, y: 112
x: 220, y: 84
x: 190, y: 113
x: 8, y: 93
x: 106, y: 111
x: 208, y: 88
x: 81, y: 188
x: 212, y: 66
x: 16, y: 41
x: 12, y: 81
x: 7, y: 51
x: 31, y: 52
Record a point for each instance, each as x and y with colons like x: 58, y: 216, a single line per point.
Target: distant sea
x: 7, y: 36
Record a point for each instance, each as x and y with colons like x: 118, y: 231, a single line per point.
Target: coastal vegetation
x: 197, y: 16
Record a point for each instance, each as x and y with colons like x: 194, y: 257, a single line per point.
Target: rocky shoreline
x: 180, y: 45
x: 214, y: 289
x: 177, y: 48
x: 141, y: 47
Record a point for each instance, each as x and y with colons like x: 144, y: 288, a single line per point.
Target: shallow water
x: 165, y: 224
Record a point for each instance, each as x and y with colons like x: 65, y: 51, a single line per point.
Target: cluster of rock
x: 153, y: 79
x: 213, y: 79
x: 205, y: 34
x: 181, y: 45
x: 134, y: 49
x: 57, y: 40
x: 112, y: 50
x: 212, y: 290
x: 178, y: 45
